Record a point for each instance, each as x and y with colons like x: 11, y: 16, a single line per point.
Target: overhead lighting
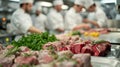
x: 46, y: 4
x: 15, y: 0
x: 108, y: 1
x: 64, y: 7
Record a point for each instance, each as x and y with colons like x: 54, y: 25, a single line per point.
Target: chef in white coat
x: 96, y: 15
x: 21, y: 21
x: 39, y: 19
x: 55, y: 22
x: 73, y: 19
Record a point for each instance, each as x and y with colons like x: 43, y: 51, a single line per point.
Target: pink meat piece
x: 9, y: 46
x: 107, y: 45
x: 26, y: 60
x: 87, y: 42
x: 75, y: 38
x: 7, y: 61
x: 45, y: 47
x: 24, y: 49
x: 85, y: 58
x: 44, y: 57
x: 63, y: 49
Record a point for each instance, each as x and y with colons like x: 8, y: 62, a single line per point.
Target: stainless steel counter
x: 113, y: 37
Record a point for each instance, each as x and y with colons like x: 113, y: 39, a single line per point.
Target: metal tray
x: 115, y: 52
x: 104, y: 62
x: 111, y: 60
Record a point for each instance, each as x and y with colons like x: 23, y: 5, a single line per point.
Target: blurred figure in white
x: 21, y: 21
x: 96, y: 15
x: 39, y: 19
x: 55, y: 22
x: 73, y: 19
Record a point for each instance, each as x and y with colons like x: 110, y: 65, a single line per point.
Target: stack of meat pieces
x: 26, y: 58
x: 76, y: 46
x: 17, y: 59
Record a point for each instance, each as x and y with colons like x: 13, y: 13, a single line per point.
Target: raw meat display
x: 43, y: 58
x: 95, y: 48
x: 68, y: 51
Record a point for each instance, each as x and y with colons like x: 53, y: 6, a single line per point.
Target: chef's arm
x: 82, y: 26
x: 32, y: 29
x: 91, y: 22
x: 94, y: 23
x: 60, y: 30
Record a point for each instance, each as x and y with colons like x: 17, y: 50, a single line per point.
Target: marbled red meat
x: 76, y: 48
x: 87, y: 49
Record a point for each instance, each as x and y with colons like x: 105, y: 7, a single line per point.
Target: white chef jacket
x: 20, y: 21
x: 72, y: 19
x: 40, y: 22
x: 55, y: 20
x: 99, y: 16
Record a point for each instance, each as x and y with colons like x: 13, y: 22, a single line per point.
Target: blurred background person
x: 73, y: 19
x: 39, y: 19
x: 96, y: 16
x: 21, y: 20
x: 55, y: 22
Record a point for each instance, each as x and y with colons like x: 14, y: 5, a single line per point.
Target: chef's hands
x: 86, y: 20
x: 91, y: 22
x: 33, y: 29
x: 82, y: 26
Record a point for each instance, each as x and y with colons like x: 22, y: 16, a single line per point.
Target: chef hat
x: 88, y: 3
x: 58, y: 2
x: 26, y: 1
x: 38, y: 6
x: 79, y: 2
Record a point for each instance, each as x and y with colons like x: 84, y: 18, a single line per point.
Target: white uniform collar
x: 21, y: 10
x: 73, y: 9
x: 53, y: 9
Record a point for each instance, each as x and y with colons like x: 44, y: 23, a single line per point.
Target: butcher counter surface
x: 113, y: 37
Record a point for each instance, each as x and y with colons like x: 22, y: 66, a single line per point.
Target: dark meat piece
x: 44, y: 57
x: 1, y: 47
x: 68, y: 54
x: 55, y: 45
x: 99, y: 50
x: 24, y: 49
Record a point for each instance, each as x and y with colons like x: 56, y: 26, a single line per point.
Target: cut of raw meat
x: 26, y: 60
